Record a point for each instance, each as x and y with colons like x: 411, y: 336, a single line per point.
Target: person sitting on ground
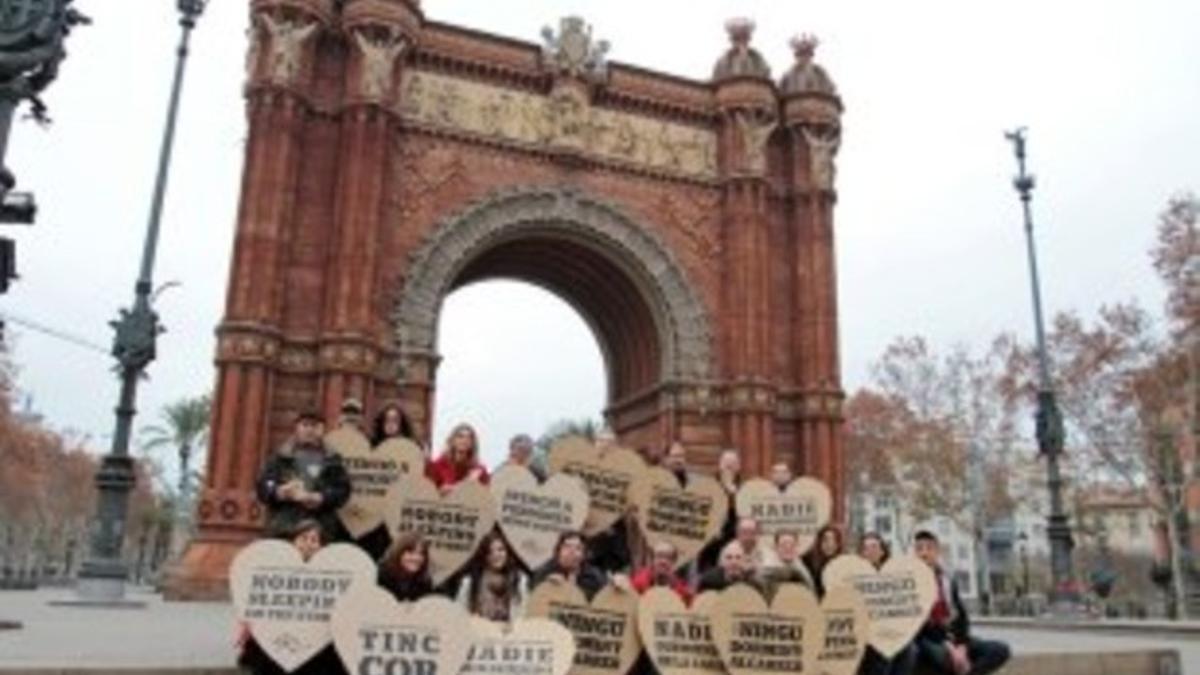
x: 520, y: 453
x: 661, y: 572
x: 404, y: 569
x: 828, y: 546
x: 304, y: 479
x: 495, y: 587
x: 459, y: 461
x: 945, y: 644
x: 784, y: 566
x: 569, y: 564
x: 306, y: 536
x: 781, y: 475
x: 731, y: 569
x: 875, y: 550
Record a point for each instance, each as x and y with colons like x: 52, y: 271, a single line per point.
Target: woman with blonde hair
x: 459, y: 461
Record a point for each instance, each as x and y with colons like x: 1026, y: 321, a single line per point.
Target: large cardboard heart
x: 687, y: 517
x: 453, y: 523
x: 605, y: 629
x: 525, y: 647
x: 847, y: 627
x: 287, y: 602
x: 756, y: 639
x: 608, y: 476
x: 898, y: 596
x: 803, y: 507
x: 533, y: 515
x: 677, y: 638
x: 375, y: 634
x: 375, y: 475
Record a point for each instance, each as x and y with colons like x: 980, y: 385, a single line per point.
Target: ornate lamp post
x: 103, y: 575
x: 31, y: 48
x: 1049, y: 421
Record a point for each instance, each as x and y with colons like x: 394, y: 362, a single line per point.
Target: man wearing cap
x: 304, y: 479
x: 351, y: 414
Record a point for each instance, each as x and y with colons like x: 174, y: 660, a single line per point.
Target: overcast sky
x: 929, y: 236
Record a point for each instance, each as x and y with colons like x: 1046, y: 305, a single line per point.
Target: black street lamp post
x: 31, y: 48
x: 103, y: 575
x: 1049, y: 422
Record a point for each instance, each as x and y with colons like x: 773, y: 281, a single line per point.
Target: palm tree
x: 185, y: 428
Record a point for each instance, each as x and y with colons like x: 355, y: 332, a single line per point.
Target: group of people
x: 304, y: 484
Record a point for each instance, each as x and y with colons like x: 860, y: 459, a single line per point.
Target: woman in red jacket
x: 459, y: 461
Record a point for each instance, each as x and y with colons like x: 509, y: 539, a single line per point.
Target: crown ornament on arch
x: 572, y: 51
x: 804, y: 46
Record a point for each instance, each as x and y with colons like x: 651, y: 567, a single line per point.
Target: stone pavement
x: 195, y: 636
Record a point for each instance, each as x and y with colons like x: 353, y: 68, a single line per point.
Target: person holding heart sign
x: 495, y: 587
x: 306, y: 536
x: 875, y: 550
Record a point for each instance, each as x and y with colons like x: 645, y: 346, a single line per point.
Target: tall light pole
x: 1048, y: 418
x: 103, y: 575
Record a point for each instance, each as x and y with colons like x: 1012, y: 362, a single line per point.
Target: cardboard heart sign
x: 532, y: 515
x: 453, y: 523
x: 605, y: 629
x: 898, y: 596
x: 287, y: 602
x: 804, y: 507
x: 847, y: 627
x: 678, y: 639
x: 375, y: 634
x: 608, y: 477
x: 687, y: 517
x: 375, y: 475
x: 754, y: 639
x: 526, y: 647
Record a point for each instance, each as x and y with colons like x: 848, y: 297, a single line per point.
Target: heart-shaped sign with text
x: 804, y: 507
x: 375, y: 634
x: 375, y: 475
x: 288, y: 602
x: 686, y: 516
x: 756, y: 639
x: 453, y: 523
x: 525, y: 647
x: 847, y: 627
x: 605, y: 629
x: 607, y: 474
x: 678, y: 638
x: 898, y: 596
x: 533, y: 515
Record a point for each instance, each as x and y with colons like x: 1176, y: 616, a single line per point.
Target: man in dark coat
x: 945, y: 644
x: 731, y: 569
x: 304, y: 479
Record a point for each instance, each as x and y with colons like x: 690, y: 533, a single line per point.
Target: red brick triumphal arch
x: 391, y: 159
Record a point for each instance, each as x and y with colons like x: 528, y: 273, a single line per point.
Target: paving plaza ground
x: 200, y: 635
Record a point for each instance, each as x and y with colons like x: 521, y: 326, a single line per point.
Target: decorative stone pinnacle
x: 740, y: 29
x: 804, y: 46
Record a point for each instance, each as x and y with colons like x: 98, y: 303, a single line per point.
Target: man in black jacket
x: 945, y: 643
x: 304, y: 479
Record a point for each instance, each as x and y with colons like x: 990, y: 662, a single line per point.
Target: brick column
x: 750, y: 114
x: 812, y: 115
x: 278, y: 105
x: 377, y: 34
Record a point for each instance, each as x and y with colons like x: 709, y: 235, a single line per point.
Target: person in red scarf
x: 459, y: 461
x: 945, y: 644
x: 661, y: 572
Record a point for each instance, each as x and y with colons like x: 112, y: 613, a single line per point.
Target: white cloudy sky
x: 929, y: 237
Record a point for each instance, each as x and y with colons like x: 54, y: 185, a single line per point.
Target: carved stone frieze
x: 549, y: 122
